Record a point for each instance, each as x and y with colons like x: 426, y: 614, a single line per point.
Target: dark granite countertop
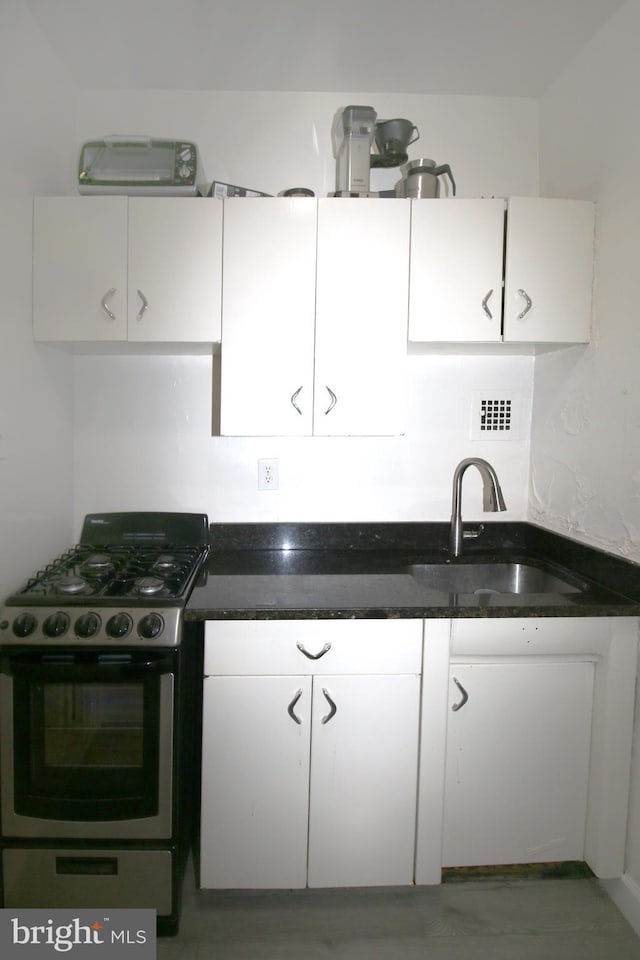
x: 346, y: 570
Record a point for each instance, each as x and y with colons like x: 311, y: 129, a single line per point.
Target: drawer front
x: 531, y: 636
x: 280, y: 647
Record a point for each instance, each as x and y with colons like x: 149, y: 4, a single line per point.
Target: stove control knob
x: 118, y: 626
x: 56, y: 624
x: 150, y: 626
x: 87, y: 625
x: 24, y: 624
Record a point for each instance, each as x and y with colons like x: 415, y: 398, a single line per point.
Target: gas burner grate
x: 117, y: 572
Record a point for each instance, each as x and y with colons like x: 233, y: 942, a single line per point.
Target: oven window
x: 87, y: 749
x: 91, y: 725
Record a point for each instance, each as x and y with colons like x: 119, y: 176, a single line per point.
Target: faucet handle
x: 472, y: 533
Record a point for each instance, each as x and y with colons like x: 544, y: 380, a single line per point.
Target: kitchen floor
x: 525, y: 919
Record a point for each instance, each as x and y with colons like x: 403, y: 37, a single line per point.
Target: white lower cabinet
x: 526, y: 742
x: 255, y: 782
x: 310, y: 778
x: 517, y: 762
x: 342, y: 753
x: 364, y: 766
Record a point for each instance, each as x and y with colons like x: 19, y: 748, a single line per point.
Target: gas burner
x: 72, y: 584
x: 148, y: 586
x: 98, y: 564
x: 166, y: 563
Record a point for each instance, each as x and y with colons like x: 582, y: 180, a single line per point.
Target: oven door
x: 86, y: 744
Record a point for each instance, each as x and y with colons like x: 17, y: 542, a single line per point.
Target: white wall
x: 586, y: 423
x: 36, y: 113
x: 585, y: 446
x: 153, y: 415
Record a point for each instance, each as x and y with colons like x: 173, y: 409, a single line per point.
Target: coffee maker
x: 356, y: 131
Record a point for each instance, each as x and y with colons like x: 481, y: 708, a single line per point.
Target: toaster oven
x: 139, y: 166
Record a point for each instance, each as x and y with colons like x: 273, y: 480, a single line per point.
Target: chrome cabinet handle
x: 314, y: 656
x: 485, y: 305
x: 333, y: 709
x: 333, y: 400
x: 105, y: 306
x: 291, y: 707
x: 528, y: 304
x: 465, y: 696
x: 294, y: 397
x: 145, y: 304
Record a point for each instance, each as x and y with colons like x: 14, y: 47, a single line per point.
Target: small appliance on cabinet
x: 98, y: 675
x: 140, y: 166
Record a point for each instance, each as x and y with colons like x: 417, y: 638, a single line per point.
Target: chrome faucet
x: 492, y: 500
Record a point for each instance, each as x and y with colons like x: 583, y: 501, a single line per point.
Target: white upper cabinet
x: 460, y: 252
x: 80, y: 268
x: 314, y: 317
x: 319, y: 295
x: 175, y: 269
x: 548, y: 270
x: 127, y: 269
x: 361, y: 316
x: 456, y: 270
x: 269, y: 270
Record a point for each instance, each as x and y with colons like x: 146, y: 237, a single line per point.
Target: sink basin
x: 520, y: 578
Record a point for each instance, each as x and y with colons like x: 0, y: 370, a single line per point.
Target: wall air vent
x: 495, y: 415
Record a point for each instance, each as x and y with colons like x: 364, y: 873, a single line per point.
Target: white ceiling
x: 491, y: 47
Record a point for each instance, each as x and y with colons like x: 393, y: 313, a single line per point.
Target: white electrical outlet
x: 267, y: 474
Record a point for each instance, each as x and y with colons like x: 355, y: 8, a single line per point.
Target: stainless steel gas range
x: 98, y: 719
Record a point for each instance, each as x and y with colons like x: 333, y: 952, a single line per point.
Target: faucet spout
x: 492, y: 498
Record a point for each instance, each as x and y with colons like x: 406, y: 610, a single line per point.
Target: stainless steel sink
x: 520, y: 578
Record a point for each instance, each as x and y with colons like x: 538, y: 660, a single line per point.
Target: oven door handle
x: 71, y: 666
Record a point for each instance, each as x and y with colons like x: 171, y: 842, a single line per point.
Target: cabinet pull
x: 294, y: 397
x: 485, y: 305
x: 528, y: 304
x: 105, y: 306
x: 465, y: 696
x: 291, y: 707
x: 332, y: 402
x: 145, y: 304
x: 333, y: 709
x: 314, y: 656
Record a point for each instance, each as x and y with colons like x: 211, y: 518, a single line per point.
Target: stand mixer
x: 355, y: 131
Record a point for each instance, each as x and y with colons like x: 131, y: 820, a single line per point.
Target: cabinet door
x: 364, y: 765
x: 455, y: 291
x: 255, y: 781
x: 517, y: 763
x: 361, y: 316
x: 269, y: 268
x: 175, y: 269
x: 80, y: 268
x: 548, y: 270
